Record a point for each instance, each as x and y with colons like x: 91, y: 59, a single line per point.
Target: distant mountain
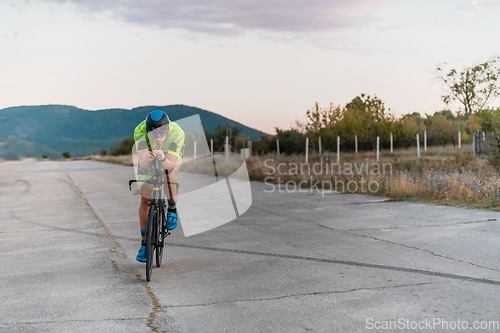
x: 10, y: 148
x: 53, y: 129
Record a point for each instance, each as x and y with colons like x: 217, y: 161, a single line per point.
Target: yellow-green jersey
x: 173, y: 144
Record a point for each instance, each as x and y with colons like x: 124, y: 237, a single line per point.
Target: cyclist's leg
x: 145, y: 191
x: 172, y: 193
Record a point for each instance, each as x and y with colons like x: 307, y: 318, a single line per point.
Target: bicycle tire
x: 151, y: 230
x: 161, y: 233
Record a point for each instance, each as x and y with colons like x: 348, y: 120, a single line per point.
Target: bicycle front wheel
x: 151, y: 231
x: 161, y: 233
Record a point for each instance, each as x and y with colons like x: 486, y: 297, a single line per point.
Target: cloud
x: 236, y: 16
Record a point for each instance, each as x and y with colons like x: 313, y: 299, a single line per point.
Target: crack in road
x: 343, y: 262
x: 316, y: 293
x: 422, y: 225
x: 52, y: 229
x: 154, y: 300
x: 117, y: 249
x: 382, y: 240
x: 410, y: 247
x: 116, y: 245
x: 71, y: 321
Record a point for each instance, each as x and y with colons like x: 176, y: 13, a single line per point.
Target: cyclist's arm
x: 145, y: 158
x: 174, y: 151
x: 170, y: 162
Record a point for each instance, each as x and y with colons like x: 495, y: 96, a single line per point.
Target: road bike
x: 155, y: 229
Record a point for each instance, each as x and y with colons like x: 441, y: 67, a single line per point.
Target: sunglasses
x: 158, y: 133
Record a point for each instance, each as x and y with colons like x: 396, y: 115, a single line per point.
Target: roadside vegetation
x: 441, y: 177
x: 445, y: 171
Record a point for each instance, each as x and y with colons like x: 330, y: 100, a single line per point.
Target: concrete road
x: 294, y: 262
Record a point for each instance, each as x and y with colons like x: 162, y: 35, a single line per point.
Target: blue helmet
x: 155, y: 119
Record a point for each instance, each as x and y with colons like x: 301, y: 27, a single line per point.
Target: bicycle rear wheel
x: 161, y: 233
x: 151, y: 231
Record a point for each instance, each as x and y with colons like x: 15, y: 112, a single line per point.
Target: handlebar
x: 130, y: 182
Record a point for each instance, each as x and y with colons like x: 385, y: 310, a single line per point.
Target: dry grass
x: 123, y: 159
x: 441, y: 175
x: 438, y: 176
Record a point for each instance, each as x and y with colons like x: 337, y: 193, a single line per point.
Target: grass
x: 122, y: 159
x: 444, y: 176
x: 440, y: 176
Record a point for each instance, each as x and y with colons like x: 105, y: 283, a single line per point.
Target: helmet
x: 155, y: 119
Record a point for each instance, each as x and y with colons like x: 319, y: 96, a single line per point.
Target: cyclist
x: 158, y: 137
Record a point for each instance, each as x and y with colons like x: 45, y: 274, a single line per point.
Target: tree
x: 495, y: 128
x: 474, y: 86
x: 321, y: 122
x: 441, y: 129
x: 124, y: 148
x: 407, y: 128
x: 66, y: 155
x: 291, y: 141
x: 489, y: 120
x: 220, y: 133
x: 366, y: 117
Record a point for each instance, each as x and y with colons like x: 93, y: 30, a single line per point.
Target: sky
x: 263, y: 63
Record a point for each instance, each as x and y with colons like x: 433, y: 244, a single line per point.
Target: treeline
x: 366, y: 117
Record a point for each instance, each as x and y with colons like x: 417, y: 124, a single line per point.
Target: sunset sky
x: 263, y: 63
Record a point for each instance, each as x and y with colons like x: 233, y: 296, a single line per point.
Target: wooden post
x: 278, y: 146
x: 425, y: 140
x: 474, y: 143
x: 418, y: 146
x: 307, y: 150
x: 319, y: 145
x: 459, y: 140
x: 338, y: 149
x: 226, y: 148
x: 378, y: 148
x: 356, y: 144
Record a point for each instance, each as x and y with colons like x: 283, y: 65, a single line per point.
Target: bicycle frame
x: 155, y: 233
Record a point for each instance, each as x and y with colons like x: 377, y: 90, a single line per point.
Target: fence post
x: 459, y: 140
x: 212, y: 146
x: 356, y: 144
x: 418, y: 146
x: 392, y: 143
x: 319, y: 145
x: 477, y: 143
x: 278, y: 146
x: 226, y: 148
x: 474, y: 143
x: 250, y: 147
x: 425, y: 140
x: 338, y: 149
x: 378, y: 148
x: 307, y: 150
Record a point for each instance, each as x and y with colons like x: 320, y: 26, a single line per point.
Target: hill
x: 53, y: 129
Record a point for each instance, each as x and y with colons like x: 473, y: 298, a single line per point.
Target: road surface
x: 294, y: 262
